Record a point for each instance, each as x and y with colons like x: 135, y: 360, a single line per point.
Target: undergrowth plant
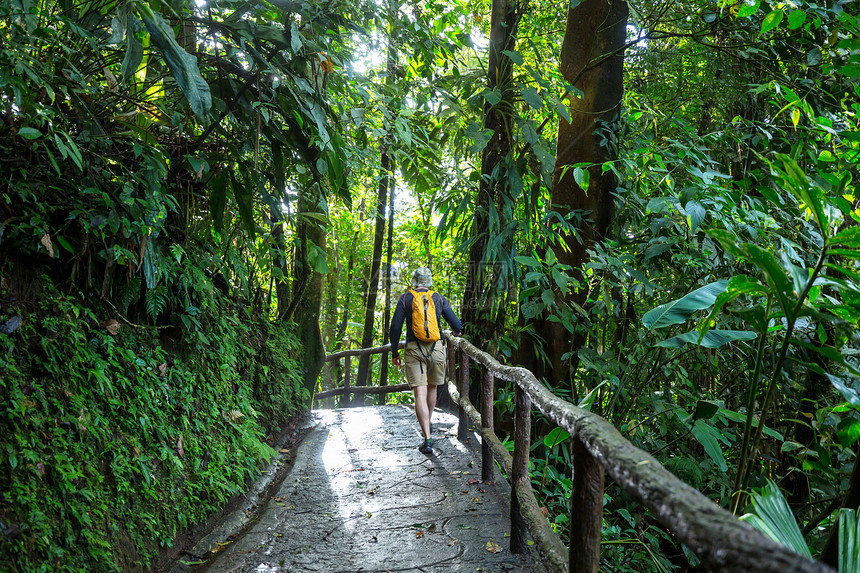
x: 116, y: 437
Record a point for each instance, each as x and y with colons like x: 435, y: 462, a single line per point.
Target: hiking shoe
x: 426, y: 447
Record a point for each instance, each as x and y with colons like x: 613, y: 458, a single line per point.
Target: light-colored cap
x: 422, y: 277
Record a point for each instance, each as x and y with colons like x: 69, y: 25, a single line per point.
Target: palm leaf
x: 849, y: 541
x: 772, y: 516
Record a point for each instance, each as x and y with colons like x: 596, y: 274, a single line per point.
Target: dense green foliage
x: 129, y: 202
x: 215, y: 168
x: 116, y: 437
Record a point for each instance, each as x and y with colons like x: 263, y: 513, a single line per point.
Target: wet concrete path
x: 361, y: 497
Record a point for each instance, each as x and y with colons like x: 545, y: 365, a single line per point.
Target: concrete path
x: 361, y: 497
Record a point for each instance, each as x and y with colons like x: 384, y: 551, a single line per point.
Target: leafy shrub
x: 113, y: 443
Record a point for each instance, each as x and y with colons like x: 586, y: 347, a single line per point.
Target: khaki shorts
x: 421, y: 370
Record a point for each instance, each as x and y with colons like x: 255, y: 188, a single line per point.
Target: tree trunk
x: 379, y: 229
x: 308, y: 303
x: 477, y: 312
x: 373, y: 284
x: 386, y: 317
x: 592, y: 61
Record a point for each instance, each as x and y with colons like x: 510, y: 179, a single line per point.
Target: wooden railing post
x: 487, y: 423
x: 347, y: 364
x: 463, y: 389
x: 520, y: 467
x: 586, y: 509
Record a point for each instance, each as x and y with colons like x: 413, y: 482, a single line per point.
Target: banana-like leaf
x: 679, y: 311
x: 711, y: 339
x: 772, y: 516
x: 182, y: 65
x: 708, y: 436
x: 133, y: 51
x: 805, y: 191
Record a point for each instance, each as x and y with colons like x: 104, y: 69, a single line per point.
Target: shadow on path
x: 361, y: 497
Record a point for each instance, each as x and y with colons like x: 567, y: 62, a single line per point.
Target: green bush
x: 112, y: 443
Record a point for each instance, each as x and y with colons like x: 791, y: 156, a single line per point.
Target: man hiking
x: 424, y: 354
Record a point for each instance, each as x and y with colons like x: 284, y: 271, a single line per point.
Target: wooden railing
x: 718, y: 538
x: 346, y: 389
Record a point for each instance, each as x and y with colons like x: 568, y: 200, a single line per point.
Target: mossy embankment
x: 115, y: 437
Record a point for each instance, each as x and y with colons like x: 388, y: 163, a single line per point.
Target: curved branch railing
x: 719, y: 539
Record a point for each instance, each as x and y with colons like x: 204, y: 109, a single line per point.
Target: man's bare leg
x: 431, y: 405
x: 422, y: 410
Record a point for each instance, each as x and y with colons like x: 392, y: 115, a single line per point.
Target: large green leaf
x: 133, y: 51
x: 772, y: 20
x: 182, y: 65
x: 849, y: 237
x: 706, y: 409
x: 679, y: 311
x: 695, y: 214
x: 772, y: 516
x: 711, y: 339
x: 741, y: 419
x: 708, y: 436
x: 849, y: 393
x: 811, y: 196
x: 555, y: 437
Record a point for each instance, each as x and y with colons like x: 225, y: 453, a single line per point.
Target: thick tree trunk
x: 308, y: 305
x: 592, y: 61
x: 477, y: 312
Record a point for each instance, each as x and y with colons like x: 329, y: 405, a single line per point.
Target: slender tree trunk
x: 373, y: 284
x: 386, y: 317
x: 379, y: 229
x: 592, y: 61
x: 477, y: 312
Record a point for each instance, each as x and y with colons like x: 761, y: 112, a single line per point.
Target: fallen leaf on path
x: 473, y: 481
x: 493, y: 547
x: 280, y: 498
x: 452, y: 541
x: 284, y: 451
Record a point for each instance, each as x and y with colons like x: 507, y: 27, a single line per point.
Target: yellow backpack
x: 425, y: 324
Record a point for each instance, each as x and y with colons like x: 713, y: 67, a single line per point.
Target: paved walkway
x: 361, y: 497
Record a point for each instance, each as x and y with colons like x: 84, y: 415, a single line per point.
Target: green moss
x: 111, y: 444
